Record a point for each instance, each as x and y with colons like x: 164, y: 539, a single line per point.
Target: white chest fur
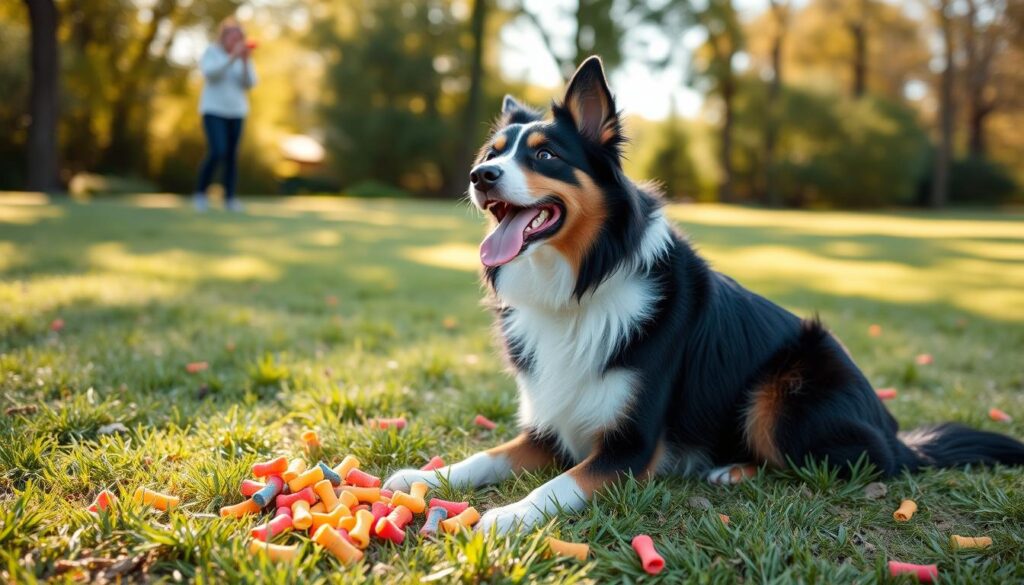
x: 567, y: 390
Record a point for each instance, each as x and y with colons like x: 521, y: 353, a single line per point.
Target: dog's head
x: 554, y: 186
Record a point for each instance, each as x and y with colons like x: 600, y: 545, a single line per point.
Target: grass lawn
x: 319, y: 313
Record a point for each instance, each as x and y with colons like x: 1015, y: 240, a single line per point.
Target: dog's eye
x: 545, y: 154
x: 490, y: 154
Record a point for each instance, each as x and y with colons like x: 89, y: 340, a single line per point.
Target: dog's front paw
x: 523, y: 515
x: 403, y: 479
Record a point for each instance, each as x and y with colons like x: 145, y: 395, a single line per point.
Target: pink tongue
x: 506, y: 241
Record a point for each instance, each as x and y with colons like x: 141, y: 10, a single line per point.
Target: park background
x: 804, y: 103
x: 143, y: 344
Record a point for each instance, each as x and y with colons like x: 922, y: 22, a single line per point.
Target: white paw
x: 403, y: 479
x: 731, y: 474
x: 522, y: 515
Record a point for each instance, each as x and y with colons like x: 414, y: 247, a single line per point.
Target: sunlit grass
x: 321, y: 313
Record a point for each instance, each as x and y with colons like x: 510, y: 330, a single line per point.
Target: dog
x: 632, y: 356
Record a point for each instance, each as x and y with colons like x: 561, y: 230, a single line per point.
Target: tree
x: 598, y: 28
x: 943, y: 157
x: 715, y: 68
x: 986, y: 35
x: 779, y: 12
x: 43, y: 161
x: 671, y: 163
x: 471, y: 112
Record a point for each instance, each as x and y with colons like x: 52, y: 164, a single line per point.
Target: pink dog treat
x: 484, y: 422
x: 649, y: 557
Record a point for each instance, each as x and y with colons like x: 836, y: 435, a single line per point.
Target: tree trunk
x: 43, y: 150
x: 471, y: 113
x: 859, y: 31
x: 979, y: 70
x: 725, y: 188
x: 944, y: 154
x: 769, y: 189
x: 977, y: 143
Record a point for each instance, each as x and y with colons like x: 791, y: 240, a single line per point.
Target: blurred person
x: 228, y: 75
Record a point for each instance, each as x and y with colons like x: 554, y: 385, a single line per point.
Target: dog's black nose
x: 485, y: 177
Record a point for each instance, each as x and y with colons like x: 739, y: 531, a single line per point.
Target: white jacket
x: 227, y: 79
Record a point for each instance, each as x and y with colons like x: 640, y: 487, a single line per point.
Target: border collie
x: 632, y: 356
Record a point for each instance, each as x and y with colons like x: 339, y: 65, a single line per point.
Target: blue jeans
x: 222, y: 138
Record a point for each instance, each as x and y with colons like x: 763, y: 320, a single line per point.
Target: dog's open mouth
x: 517, y: 227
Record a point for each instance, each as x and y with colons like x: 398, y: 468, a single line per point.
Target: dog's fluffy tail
x: 954, y: 445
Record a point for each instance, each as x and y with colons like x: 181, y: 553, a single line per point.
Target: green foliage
x: 833, y: 151
x: 387, y: 65
x: 671, y: 163
x: 975, y: 181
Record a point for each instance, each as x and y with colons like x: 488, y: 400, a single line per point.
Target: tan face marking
x: 585, y: 213
x: 500, y: 142
x: 536, y: 139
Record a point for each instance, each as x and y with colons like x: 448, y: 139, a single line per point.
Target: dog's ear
x: 590, y: 104
x: 514, y: 112
x: 509, y: 104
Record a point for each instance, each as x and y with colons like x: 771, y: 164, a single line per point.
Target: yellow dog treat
x: 412, y: 500
x: 958, y: 541
x: 295, y: 467
x: 360, y: 533
x: 347, y: 523
x: 302, y: 518
x: 580, y: 550
x: 240, y: 509
x: 155, y: 499
x: 274, y: 552
x: 347, y: 499
x: 318, y: 508
x: 306, y: 478
x: 363, y: 494
x: 347, y: 464
x: 331, y: 519
x: 334, y: 542
x: 328, y: 498
x: 467, y: 518
x: 905, y: 511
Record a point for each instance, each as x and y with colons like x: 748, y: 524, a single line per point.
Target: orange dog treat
x: 240, y: 509
x: 924, y: 573
x: 360, y: 478
x: 302, y: 518
x: 330, y: 539
x: 102, y: 501
x: 435, y: 463
x: 311, y: 439
x: 580, y: 550
x: 886, y: 393
x: 273, y: 467
x: 274, y: 552
x: 875, y: 330
x: 360, y: 533
x: 295, y: 467
x: 414, y: 499
x: 651, y: 561
x: 331, y: 519
x: 467, y: 518
x: 318, y: 508
x: 305, y: 479
x: 998, y: 415
x: 155, y: 499
x: 347, y: 523
x: 347, y: 464
x: 967, y: 542
x: 366, y: 495
x: 905, y: 511
x: 387, y: 423
x: 484, y: 422
x: 196, y: 367
x: 325, y: 491
x: 725, y: 519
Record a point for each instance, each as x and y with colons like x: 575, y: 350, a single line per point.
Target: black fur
x: 711, y: 345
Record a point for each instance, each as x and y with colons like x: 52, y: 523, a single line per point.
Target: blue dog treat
x: 434, y: 518
x: 330, y: 474
x: 266, y: 495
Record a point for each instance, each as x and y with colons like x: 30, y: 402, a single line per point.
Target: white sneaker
x: 235, y: 205
x: 199, y: 201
